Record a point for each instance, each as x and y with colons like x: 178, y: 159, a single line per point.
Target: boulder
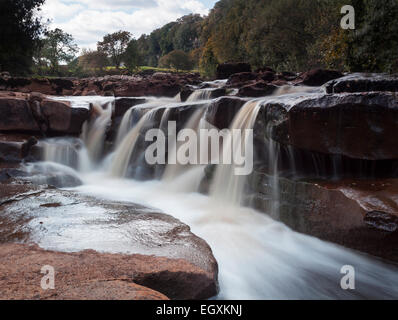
x: 243, y: 78
x: 258, y: 89
x: 222, y: 111
x: 62, y: 118
x: 361, y: 82
x: 122, y: 105
x: 185, y: 93
x: 359, y: 125
x: 90, y: 275
x: 155, y: 88
x: 359, y: 214
x: 225, y: 70
x: 16, y: 115
x: 267, y: 76
x: 318, y: 77
x: 144, y: 247
x: 16, y: 148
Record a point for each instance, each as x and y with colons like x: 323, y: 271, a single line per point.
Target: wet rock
x: 122, y: 105
x: 289, y: 76
x: 268, y: 76
x: 225, y: 70
x: 148, y: 88
x: 91, y: 275
x: 15, y: 148
x: 61, y: 85
x: 360, y: 126
x: 62, y: 118
x: 181, y: 265
x: 258, y: 89
x: 222, y: 111
x: 185, y: 93
x: 243, y: 78
x: 40, y: 116
x: 216, y: 93
x: 359, y: 214
x: 318, y: 77
x: 16, y: 115
x: 361, y: 82
x: 50, y: 174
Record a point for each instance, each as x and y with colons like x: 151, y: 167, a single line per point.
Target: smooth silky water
x: 258, y: 257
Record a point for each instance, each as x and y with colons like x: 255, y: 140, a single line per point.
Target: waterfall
x: 124, y: 127
x: 64, y: 151
x: 82, y: 153
x: 201, y: 94
x: 277, y: 262
x: 121, y: 160
x: 273, y: 156
x: 95, y: 129
x: 226, y: 184
x: 194, y: 123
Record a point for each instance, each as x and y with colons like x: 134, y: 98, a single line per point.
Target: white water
x: 201, y: 94
x: 125, y: 149
x: 226, y: 184
x: 258, y: 257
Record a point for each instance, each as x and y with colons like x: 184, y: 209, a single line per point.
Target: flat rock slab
x: 363, y: 82
x: 65, y: 221
x: 91, y: 275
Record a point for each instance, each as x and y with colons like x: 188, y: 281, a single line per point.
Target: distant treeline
x: 292, y: 35
x: 287, y: 35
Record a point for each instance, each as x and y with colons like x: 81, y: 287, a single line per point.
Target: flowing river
x: 258, y: 257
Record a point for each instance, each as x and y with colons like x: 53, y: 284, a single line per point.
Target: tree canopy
x: 20, y: 30
x: 115, y: 45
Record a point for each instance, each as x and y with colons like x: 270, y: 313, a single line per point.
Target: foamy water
x: 258, y: 257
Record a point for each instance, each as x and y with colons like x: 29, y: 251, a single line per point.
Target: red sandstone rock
x: 91, y: 275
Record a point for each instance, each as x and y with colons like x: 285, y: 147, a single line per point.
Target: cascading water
x: 84, y: 153
x: 258, y: 257
x: 226, y: 185
x: 121, y: 158
x: 201, y: 94
x: 62, y: 150
x: 195, y: 124
x: 94, y: 130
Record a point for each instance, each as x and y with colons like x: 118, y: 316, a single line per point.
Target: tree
x: 132, y: 56
x: 58, y: 47
x: 114, y: 46
x: 178, y: 60
x: 373, y: 46
x: 20, y: 29
x: 92, y: 62
x: 208, y: 62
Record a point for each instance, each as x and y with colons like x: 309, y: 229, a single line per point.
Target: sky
x: 89, y: 20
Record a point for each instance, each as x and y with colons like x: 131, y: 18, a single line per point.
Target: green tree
x: 208, y: 61
x: 373, y: 46
x: 58, y: 47
x: 92, y: 62
x: 178, y: 60
x: 114, y: 46
x: 20, y: 29
x: 132, y: 56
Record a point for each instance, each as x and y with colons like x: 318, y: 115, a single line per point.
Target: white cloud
x: 89, y: 20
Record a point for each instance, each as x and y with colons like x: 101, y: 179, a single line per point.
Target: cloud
x: 89, y: 20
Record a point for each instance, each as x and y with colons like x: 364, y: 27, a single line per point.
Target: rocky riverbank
x: 172, y: 262
x: 325, y: 157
